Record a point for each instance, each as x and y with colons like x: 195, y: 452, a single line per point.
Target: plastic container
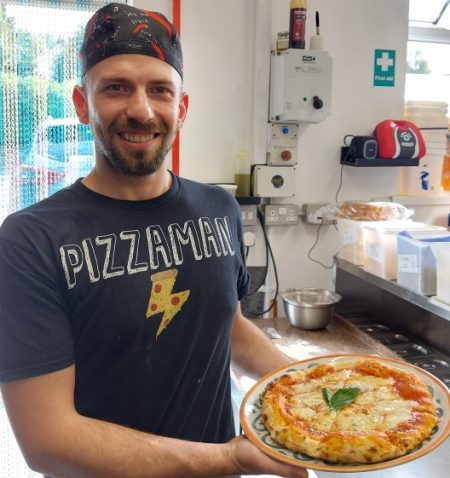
x: 435, y: 138
x: 427, y: 114
x: 351, y: 233
x: 416, y: 259
x: 380, y: 246
x: 231, y: 188
x: 443, y: 275
x: 426, y: 178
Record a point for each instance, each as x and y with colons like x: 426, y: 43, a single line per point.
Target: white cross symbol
x: 385, y: 62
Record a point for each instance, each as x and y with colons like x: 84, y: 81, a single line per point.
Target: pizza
x: 350, y: 412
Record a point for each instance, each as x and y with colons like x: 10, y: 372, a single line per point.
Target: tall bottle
x: 242, y: 176
x: 297, y: 24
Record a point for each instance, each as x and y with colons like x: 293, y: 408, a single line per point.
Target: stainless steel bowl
x: 310, y: 308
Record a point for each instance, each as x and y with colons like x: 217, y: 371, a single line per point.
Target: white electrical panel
x: 283, y: 144
x: 300, y: 86
x: 273, y: 181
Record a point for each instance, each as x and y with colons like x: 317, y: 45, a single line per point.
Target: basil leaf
x: 326, y: 395
x: 343, y: 397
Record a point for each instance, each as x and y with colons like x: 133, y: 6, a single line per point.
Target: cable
x: 268, y: 252
x: 315, y: 244
x: 266, y: 267
x: 340, y: 185
x: 336, y: 201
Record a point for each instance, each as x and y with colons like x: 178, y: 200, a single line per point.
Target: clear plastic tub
x: 351, y: 233
x: 380, y: 247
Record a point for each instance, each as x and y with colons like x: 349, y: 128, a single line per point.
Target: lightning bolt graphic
x: 162, y: 299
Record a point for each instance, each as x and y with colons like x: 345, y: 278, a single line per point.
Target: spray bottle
x: 297, y: 24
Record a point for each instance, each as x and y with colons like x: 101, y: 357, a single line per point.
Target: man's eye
x: 160, y: 90
x: 115, y: 87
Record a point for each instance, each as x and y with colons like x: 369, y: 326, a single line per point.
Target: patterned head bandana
x: 117, y: 28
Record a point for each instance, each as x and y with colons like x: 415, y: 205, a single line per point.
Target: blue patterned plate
x: 253, y: 427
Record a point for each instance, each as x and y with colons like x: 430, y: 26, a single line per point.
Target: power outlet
x: 281, y: 214
x: 314, y: 214
x: 249, y: 215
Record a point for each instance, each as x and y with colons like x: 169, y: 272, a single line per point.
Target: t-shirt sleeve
x: 35, y: 331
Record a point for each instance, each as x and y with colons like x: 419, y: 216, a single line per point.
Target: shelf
x: 392, y: 287
x: 377, y: 162
x: 248, y: 200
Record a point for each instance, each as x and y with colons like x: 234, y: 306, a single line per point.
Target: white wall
x: 227, y: 50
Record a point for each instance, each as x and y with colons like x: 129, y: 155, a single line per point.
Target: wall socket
x: 313, y: 215
x: 281, y: 214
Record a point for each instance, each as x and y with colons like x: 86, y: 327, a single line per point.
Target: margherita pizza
x: 351, y: 412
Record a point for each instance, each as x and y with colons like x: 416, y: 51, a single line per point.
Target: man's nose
x: 139, y: 107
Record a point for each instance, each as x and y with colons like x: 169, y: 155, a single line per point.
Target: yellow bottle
x: 445, y: 179
x: 242, y: 176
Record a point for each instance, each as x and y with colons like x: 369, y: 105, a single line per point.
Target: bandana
x: 117, y: 28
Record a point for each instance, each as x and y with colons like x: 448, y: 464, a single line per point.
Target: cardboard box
x: 443, y: 275
x: 416, y: 259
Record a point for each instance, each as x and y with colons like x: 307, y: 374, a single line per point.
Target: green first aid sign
x: 384, y: 68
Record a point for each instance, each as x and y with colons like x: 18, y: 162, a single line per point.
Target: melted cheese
x: 377, y: 407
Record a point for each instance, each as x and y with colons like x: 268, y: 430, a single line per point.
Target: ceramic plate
x: 253, y: 427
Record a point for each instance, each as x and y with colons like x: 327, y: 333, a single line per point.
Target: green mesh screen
x: 43, y: 147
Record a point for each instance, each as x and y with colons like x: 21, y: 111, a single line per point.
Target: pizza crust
x: 392, y: 414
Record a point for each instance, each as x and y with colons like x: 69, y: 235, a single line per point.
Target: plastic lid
x: 426, y: 104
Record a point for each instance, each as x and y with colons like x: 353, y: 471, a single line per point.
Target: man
x: 119, y: 297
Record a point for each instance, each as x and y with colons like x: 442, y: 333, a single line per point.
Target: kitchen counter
x: 393, y: 304
x: 342, y: 337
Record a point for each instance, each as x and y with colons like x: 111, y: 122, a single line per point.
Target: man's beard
x: 138, y: 163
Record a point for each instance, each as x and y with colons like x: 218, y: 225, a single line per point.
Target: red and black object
x: 399, y: 139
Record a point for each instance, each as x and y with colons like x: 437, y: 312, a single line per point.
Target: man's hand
x: 252, y: 461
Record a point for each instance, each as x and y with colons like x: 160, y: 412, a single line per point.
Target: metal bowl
x: 310, y: 308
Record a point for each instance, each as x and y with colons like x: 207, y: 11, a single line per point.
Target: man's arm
x: 252, y: 352
x: 56, y: 440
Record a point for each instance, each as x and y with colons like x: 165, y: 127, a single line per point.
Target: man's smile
x: 138, y: 137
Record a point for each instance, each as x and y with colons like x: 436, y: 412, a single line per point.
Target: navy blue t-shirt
x: 139, y: 295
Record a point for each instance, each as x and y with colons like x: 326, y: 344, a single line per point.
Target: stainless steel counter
x: 392, y: 287
x: 393, y: 304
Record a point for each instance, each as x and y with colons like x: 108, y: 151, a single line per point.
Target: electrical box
x: 300, y: 86
x: 273, y: 181
x: 283, y: 144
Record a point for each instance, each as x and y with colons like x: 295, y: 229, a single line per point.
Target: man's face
x: 135, y: 107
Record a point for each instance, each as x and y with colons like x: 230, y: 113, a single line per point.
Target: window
x: 42, y: 145
x: 428, y: 68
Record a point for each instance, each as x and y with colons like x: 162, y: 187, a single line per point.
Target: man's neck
x: 130, y: 188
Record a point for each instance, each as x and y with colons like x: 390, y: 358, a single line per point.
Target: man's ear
x: 81, y: 104
x: 183, y: 107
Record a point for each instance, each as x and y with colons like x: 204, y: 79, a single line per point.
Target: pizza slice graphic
x: 162, y: 299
